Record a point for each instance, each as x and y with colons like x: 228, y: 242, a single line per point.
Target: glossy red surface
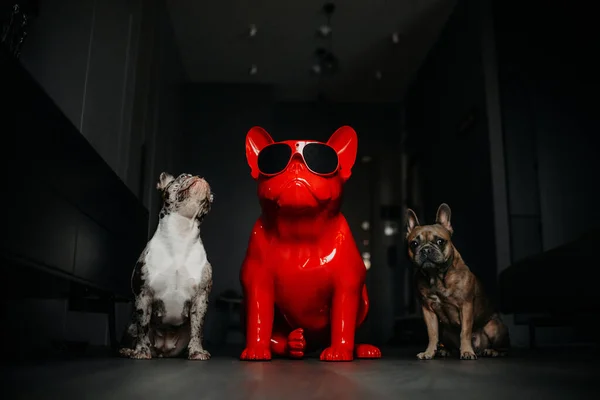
x: 303, y: 277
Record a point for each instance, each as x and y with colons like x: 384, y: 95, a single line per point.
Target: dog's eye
x: 440, y: 242
x: 414, y: 244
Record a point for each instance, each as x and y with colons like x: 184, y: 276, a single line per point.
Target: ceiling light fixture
x: 252, y: 30
x: 395, y: 37
x: 253, y: 70
x: 324, y: 30
x: 326, y: 63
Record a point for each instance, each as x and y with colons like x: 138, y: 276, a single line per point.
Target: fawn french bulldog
x: 457, y: 313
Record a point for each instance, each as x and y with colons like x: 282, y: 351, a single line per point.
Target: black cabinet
x: 64, y: 209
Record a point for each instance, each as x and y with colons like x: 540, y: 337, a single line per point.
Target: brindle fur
x: 457, y: 313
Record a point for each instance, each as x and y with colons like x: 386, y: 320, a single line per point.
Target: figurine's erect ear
x: 256, y: 140
x: 345, y: 142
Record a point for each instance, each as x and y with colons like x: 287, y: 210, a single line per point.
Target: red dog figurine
x: 303, y: 277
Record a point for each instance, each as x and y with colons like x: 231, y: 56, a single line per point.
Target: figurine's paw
x: 199, y: 355
x: 426, y: 355
x: 141, y: 353
x: 337, y: 353
x: 296, y: 343
x: 468, y: 355
x: 367, y: 351
x: 256, y: 353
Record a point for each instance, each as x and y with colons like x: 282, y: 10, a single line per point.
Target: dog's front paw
x: 337, y: 353
x: 426, y: 355
x: 125, y: 352
x: 468, y: 355
x: 442, y: 352
x: 142, y: 353
x: 199, y: 355
x: 490, y: 353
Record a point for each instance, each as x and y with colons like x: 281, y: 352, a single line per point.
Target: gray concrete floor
x: 542, y: 375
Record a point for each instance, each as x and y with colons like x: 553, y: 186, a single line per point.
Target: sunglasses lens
x: 320, y: 158
x: 274, y: 158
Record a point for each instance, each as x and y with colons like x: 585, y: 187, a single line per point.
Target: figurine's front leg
x: 259, y: 306
x: 344, y: 309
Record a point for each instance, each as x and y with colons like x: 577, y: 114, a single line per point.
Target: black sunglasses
x: 319, y: 158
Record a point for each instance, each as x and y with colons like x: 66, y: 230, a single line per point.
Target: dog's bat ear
x: 411, y: 221
x: 163, y: 180
x: 443, y: 215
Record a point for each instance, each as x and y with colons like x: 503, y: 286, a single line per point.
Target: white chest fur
x: 175, y: 264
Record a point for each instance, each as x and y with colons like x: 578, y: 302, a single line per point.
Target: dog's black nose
x: 425, y: 251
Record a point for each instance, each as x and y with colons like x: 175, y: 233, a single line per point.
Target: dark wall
x: 84, y: 54
x: 545, y: 67
x: 548, y: 70
x: 217, y: 119
x: 114, y: 69
x: 161, y: 142
x: 448, y: 140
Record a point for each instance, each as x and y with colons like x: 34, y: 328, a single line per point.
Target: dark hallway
x: 486, y: 105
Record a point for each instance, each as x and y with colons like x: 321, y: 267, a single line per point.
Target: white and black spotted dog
x: 172, y: 278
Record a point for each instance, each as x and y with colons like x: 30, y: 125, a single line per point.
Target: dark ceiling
x: 216, y: 45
